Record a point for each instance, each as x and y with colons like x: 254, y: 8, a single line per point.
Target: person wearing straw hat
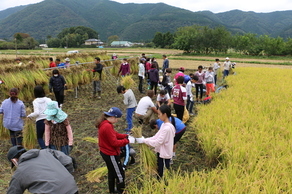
x: 13, y: 111
x: 58, y: 131
x: 110, y: 143
x: 67, y: 62
x: 41, y: 171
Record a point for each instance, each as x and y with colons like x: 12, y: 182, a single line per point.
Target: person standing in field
x: 13, y: 111
x: 154, y: 78
x: 190, y: 98
x: 130, y: 102
x: 209, y: 77
x: 124, y: 68
x: 166, y: 80
x: 227, y: 65
x: 39, y: 107
x: 200, y: 83
x: 141, y: 74
x: 181, y: 71
x: 179, y: 96
x: 110, y: 143
x: 97, y: 78
x: 58, y: 131
x: 216, y: 68
x: 165, y: 63
x: 58, y: 84
x: 163, y: 140
x: 52, y: 63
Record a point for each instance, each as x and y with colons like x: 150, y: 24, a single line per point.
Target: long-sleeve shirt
x: 124, y: 69
x: 163, y: 140
x: 141, y: 70
x: 110, y: 141
x: 209, y: 77
x: 129, y: 99
x: 189, y: 88
x: 12, y: 113
x: 201, y: 77
x: 179, y: 95
x: 227, y: 65
x: 216, y: 66
x: 39, y: 107
x: 165, y: 64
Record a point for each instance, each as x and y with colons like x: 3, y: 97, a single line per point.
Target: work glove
x: 140, y: 140
x: 131, y: 139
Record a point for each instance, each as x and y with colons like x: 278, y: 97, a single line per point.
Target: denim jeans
x: 226, y: 73
x: 190, y: 104
x: 64, y: 149
x: 40, y: 129
x: 129, y: 118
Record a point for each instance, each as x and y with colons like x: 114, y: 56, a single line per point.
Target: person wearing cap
x: 181, y: 71
x: 41, y: 171
x: 13, y: 111
x: 57, y: 84
x: 67, y: 63
x: 227, y: 65
x: 58, y: 131
x: 110, y: 143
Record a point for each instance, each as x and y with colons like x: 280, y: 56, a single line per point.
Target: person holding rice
x: 110, y: 143
x: 163, y: 140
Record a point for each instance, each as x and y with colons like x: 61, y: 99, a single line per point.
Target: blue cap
x: 114, y: 112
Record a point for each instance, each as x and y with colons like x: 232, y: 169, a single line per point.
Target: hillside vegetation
x: 134, y: 22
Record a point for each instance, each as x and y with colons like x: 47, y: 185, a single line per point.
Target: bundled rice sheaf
x: 91, y: 139
x: 4, y: 133
x: 29, y: 133
x: 128, y: 82
x: 96, y: 175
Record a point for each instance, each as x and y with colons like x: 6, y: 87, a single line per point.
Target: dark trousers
x: 141, y: 84
x: 116, y: 173
x: 40, y: 130
x: 16, y: 137
x: 154, y: 84
x: 168, y: 89
x: 199, y: 87
x: 226, y: 73
x: 59, y: 95
x: 215, y: 79
x: 160, y: 164
x: 179, y: 111
x: 190, y: 104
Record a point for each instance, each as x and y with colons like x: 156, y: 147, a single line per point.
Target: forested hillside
x: 133, y: 22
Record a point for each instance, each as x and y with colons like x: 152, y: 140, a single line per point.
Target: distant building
x: 93, y: 42
x: 43, y: 45
x: 121, y: 44
x: 1, y: 40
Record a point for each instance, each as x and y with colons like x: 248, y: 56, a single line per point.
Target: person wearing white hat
x: 67, y: 63
x: 226, y: 65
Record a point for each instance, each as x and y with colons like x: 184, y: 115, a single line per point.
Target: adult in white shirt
x: 227, y: 64
x: 146, y: 109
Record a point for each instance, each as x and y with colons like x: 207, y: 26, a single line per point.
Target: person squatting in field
x: 110, y: 143
x: 13, y: 111
x: 163, y: 140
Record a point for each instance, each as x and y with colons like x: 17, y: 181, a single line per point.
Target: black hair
x: 154, y: 65
x: 58, y: 60
x: 97, y: 58
x: 217, y: 60
x: 13, y: 94
x: 152, y: 124
x: 164, y: 56
x: 120, y: 89
x: 168, y: 70
x: 180, y: 80
x: 162, y: 92
x: 51, y: 59
x: 210, y: 68
x: 200, y: 67
x: 165, y: 109
x: 56, y: 71
x: 125, y: 59
x: 191, y: 75
x: 195, y: 77
x: 39, y: 91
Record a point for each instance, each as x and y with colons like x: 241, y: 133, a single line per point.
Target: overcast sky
x: 215, y: 6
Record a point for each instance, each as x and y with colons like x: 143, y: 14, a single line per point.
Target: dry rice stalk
x: 4, y: 133
x: 136, y: 132
x: 128, y: 82
x: 91, y: 139
x: 29, y: 134
x: 96, y: 175
x: 148, y: 160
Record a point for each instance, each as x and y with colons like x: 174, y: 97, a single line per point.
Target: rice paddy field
x: 239, y: 143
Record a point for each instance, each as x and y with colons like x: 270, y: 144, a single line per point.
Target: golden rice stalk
x: 148, y: 160
x: 128, y: 82
x: 4, y: 133
x: 96, y: 175
x: 136, y: 132
x: 29, y: 134
x: 91, y: 139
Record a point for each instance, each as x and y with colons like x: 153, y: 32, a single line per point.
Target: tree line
x: 206, y: 40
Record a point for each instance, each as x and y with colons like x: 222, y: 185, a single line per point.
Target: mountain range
x: 132, y: 22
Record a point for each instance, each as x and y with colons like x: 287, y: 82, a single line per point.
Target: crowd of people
x: 55, y: 136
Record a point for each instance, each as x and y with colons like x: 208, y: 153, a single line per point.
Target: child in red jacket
x: 110, y: 143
